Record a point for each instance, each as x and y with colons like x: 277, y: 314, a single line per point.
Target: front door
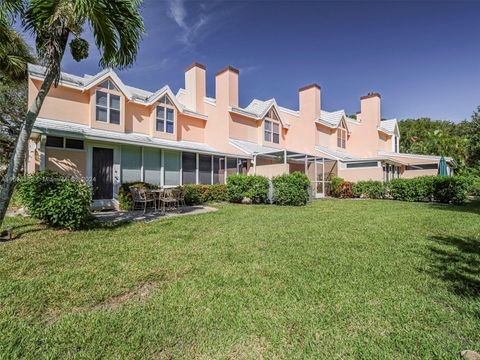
x: 102, y: 173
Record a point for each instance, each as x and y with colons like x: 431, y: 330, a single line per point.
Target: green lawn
x: 334, y: 279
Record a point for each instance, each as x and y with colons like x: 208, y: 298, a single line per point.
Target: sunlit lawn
x: 334, y: 279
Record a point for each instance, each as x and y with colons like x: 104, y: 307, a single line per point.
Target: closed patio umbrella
x: 442, y: 167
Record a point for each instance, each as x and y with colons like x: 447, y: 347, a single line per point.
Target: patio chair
x: 169, y: 198
x: 141, y: 199
x: 181, y: 199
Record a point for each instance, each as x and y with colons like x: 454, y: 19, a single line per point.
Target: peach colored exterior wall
x: 62, y: 103
x: 361, y: 174
x: 271, y: 170
x: 66, y: 162
x: 243, y: 128
x: 190, y: 129
x: 409, y: 174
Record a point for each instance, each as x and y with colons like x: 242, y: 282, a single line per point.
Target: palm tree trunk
x: 19, y: 153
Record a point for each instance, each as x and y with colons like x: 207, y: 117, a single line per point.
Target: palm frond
x: 117, y: 27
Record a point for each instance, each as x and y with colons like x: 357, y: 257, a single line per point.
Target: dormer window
x: 272, y: 132
x: 272, y: 127
x: 342, y: 136
x: 165, y: 117
x: 107, y: 100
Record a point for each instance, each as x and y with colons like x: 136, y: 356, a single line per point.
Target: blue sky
x: 423, y: 57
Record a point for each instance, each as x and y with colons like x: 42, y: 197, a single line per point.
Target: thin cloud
x: 193, y: 27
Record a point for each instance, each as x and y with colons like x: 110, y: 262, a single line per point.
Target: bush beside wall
x: 291, y: 189
x: 199, y: 194
x: 444, y: 189
x: 369, y: 189
x: 254, y: 187
x: 58, y: 200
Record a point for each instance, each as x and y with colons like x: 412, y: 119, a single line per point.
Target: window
x: 342, y: 136
x: 60, y: 142
x: 189, y: 168
x: 165, y: 118
x: 362, y: 164
x: 54, y: 141
x: 271, y: 132
x: 74, y: 144
x: 107, y: 108
x: 422, y: 167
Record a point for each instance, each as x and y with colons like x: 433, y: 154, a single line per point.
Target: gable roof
x: 333, y: 119
x: 133, y: 94
x: 389, y: 127
x: 258, y: 109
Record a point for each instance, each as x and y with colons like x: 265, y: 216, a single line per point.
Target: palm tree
x: 117, y: 28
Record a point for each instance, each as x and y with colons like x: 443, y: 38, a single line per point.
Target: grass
x: 334, y: 279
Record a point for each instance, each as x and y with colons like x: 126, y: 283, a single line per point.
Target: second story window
x: 107, y: 103
x: 342, y: 136
x: 165, y: 117
x: 271, y: 132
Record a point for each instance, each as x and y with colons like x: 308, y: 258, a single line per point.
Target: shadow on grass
x: 456, y: 261
x: 21, y: 230
x: 472, y: 206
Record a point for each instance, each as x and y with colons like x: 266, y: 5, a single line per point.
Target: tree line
x: 432, y: 137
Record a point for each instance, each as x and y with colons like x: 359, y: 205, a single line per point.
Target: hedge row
x: 444, y: 189
x: 289, y: 189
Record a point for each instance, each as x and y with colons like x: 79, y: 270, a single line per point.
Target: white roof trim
x: 417, y: 156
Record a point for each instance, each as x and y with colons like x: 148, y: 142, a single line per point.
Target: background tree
x: 117, y: 28
x: 458, y: 140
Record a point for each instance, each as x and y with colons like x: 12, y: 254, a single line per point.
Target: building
x: 110, y: 133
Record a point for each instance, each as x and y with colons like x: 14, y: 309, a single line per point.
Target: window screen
x: 189, y: 165
x: 152, y: 163
x: 205, y: 169
x: 171, y: 165
x: 131, y: 163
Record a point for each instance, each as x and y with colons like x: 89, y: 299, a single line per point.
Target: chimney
x: 309, y: 101
x: 370, y: 109
x: 226, y: 87
x: 195, y: 87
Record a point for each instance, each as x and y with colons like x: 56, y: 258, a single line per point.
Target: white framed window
x: 272, y: 131
x: 165, y: 116
x: 107, y: 103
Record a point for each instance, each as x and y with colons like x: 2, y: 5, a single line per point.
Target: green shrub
x: 334, y: 186
x: 370, y: 189
x: 215, y: 193
x: 473, y: 183
x: 124, y: 195
x: 194, y: 193
x: 344, y: 190
x: 58, y: 200
x: 254, y: 187
x: 291, y: 189
x: 450, y: 189
x: 416, y: 189
x: 199, y: 194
